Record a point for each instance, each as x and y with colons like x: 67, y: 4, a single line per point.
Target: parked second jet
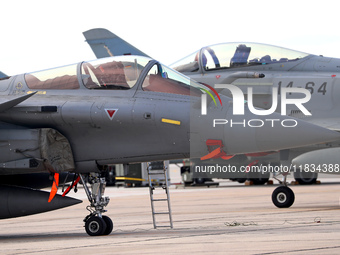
x: 242, y: 64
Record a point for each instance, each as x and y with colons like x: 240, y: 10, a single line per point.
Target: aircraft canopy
x: 114, y: 73
x: 232, y: 55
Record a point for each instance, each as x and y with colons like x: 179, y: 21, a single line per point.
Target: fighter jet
x: 240, y: 64
x: 83, y: 117
x: 283, y: 68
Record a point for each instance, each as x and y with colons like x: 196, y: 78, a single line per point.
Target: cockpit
x: 114, y: 73
x: 233, y: 55
x: 107, y: 73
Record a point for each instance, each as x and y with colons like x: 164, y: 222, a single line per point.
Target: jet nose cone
x: 251, y: 133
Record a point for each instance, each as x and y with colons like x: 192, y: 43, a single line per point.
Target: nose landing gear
x: 283, y: 196
x: 96, y: 224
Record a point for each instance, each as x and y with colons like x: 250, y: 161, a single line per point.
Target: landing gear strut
x: 96, y: 224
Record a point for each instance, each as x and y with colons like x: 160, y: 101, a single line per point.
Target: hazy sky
x: 39, y: 34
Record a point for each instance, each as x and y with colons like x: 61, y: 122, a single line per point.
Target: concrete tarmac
x: 230, y: 219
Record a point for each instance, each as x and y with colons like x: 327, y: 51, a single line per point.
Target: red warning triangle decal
x: 111, y: 113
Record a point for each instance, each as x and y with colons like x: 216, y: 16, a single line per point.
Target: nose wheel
x: 96, y: 224
x: 283, y: 197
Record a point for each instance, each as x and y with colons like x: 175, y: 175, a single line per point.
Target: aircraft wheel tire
x: 241, y: 180
x: 259, y: 181
x: 199, y: 180
x: 95, y: 226
x: 283, y: 197
x: 305, y: 178
x: 258, y: 178
x: 109, y: 225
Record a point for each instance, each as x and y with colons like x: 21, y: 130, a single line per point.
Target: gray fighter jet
x: 240, y: 64
x: 84, y: 117
x: 81, y: 118
x: 283, y: 68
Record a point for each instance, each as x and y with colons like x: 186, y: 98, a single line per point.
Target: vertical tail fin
x: 2, y: 75
x: 106, y: 44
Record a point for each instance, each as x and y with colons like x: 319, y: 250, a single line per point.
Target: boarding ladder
x: 163, y: 213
